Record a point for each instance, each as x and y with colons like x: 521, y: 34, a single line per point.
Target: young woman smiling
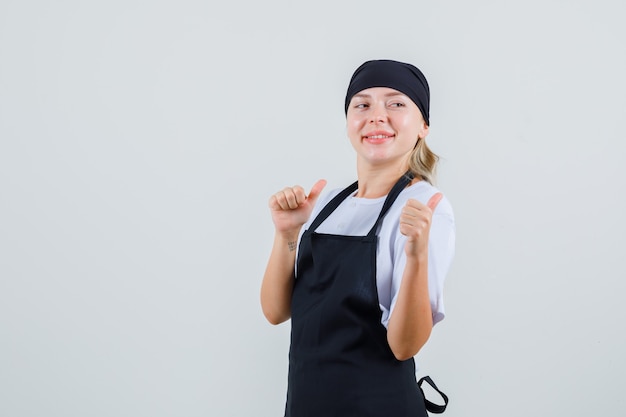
x: 360, y: 271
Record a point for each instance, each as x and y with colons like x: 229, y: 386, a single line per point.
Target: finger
x: 408, y: 212
x: 301, y: 196
x: 414, y: 219
x: 434, y: 200
x: 316, y: 190
x: 413, y: 204
x: 273, y: 203
x: 294, y: 196
x: 279, y: 201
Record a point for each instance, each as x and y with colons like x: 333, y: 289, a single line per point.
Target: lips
x: 378, y: 136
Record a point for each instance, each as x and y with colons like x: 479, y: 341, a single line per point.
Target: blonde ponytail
x: 423, y: 161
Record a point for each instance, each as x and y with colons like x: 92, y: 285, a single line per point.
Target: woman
x: 366, y: 287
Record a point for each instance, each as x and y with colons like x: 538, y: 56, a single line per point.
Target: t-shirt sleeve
x: 441, y: 247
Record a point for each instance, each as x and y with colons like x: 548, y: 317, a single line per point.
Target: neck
x: 375, y: 182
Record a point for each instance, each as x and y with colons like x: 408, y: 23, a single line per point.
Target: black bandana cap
x: 400, y: 76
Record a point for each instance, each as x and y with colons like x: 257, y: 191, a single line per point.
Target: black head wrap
x: 400, y: 76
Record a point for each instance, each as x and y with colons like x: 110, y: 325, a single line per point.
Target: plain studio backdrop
x: 141, y: 140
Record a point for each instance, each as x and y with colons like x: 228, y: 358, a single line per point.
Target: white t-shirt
x: 356, y: 216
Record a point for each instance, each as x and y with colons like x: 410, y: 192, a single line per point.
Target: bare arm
x: 411, y: 322
x: 278, y: 279
x: 290, y: 209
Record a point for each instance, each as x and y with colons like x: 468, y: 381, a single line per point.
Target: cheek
x: 412, y: 127
x: 353, y: 127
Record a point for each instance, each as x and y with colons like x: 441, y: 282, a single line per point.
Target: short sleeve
x: 441, y: 248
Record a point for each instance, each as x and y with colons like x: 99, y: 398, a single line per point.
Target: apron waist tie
x: 430, y: 406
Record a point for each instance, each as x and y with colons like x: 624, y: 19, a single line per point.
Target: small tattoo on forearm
x: 292, y: 246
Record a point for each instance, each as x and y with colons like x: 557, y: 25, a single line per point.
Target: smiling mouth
x: 379, y: 136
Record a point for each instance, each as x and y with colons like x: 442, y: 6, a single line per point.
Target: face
x: 383, y: 126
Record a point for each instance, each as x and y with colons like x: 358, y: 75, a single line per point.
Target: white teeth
x: 378, y: 137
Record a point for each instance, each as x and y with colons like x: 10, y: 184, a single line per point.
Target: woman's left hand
x: 415, y: 221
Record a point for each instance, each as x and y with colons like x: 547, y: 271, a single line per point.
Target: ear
x: 423, y: 131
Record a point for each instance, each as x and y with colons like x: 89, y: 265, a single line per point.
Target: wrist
x: 288, y: 240
x: 418, y: 257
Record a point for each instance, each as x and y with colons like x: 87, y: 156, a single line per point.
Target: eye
x: 361, y: 105
x: 397, y: 104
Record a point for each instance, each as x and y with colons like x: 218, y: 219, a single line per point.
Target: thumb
x: 316, y: 190
x: 434, y: 200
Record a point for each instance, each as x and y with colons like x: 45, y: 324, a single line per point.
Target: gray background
x: 140, y: 141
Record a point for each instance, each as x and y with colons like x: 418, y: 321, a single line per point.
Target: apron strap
x: 391, y: 198
x: 336, y: 201
x: 430, y: 406
x: 333, y: 204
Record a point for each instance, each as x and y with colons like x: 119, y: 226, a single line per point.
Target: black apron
x: 340, y: 364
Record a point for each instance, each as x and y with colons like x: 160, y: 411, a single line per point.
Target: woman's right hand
x: 291, y: 207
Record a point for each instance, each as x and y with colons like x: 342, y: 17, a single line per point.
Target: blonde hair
x: 423, y: 161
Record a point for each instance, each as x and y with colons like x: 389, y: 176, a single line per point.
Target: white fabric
x: 356, y: 216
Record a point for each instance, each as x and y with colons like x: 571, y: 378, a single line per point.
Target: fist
x: 415, y: 221
x: 291, y: 207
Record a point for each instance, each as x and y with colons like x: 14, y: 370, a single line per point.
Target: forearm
x: 411, y: 321
x: 277, y: 284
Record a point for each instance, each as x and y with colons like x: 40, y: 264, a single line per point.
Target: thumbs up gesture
x: 415, y: 221
x: 291, y: 207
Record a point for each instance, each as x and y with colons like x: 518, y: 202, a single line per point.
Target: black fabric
x: 400, y: 76
x: 430, y: 406
x: 340, y: 364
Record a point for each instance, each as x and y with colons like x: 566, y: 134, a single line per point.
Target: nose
x: 378, y: 114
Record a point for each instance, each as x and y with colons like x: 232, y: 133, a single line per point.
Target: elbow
x: 274, y: 317
x: 405, y: 354
x: 274, y: 312
x: 274, y: 320
x: 406, y: 348
x: 401, y: 357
